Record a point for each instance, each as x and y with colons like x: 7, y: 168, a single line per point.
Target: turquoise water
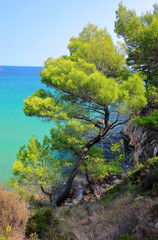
x: 17, y: 83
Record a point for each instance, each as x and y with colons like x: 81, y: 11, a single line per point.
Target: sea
x: 16, y: 84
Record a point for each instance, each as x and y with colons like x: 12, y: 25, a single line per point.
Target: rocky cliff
x: 143, y: 141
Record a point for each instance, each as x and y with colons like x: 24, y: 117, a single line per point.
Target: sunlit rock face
x: 144, y: 141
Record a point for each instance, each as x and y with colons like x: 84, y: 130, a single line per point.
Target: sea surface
x: 16, y: 84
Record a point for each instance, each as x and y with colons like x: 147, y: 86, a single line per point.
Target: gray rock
x: 106, y: 185
x: 155, y: 151
x: 139, y: 198
x: 116, y: 181
x: 114, y: 177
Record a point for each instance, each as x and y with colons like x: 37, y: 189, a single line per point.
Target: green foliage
x: 83, y: 89
x: 152, y: 94
x: 76, y: 78
x: 113, y: 192
x: 37, y: 106
x: 128, y: 24
x: 95, y: 46
x: 87, y: 89
x: 152, y: 163
x: 150, y: 180
x: 118, y: 148
x: 71, y: 137
x: 39, y: 222
x: 7, y: 234
x: 149, y: 121
x: 133, y: 93
x: 126, y: 237
x: 81, y: 82
x: 141, y: 37
x: 97, y: 166
x: 133, y: 183
x: 33, y: 236
x: 35, y: 166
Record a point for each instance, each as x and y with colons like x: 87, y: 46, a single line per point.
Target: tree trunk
x: 75, y: 170
x: 88, y: 180
x: 81, y: 158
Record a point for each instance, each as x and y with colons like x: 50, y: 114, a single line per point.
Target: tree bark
x: 75, y: 170
x: 88, y: 180
x: 82, y: 156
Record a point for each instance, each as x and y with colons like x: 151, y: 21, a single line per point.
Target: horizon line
x: 19, y: 65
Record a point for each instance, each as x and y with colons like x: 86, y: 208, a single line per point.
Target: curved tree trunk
x: 75, y: 170
x: 88, y: 180
x: 82, y: 155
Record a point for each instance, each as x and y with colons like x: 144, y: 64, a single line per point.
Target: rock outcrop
x: 144, y: 141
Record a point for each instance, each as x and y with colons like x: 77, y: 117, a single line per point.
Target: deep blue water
x: 17, y: 83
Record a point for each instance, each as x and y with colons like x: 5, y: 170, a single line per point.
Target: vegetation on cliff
x: 140, y: 35
x: 89, y: 91
x: 88, y: 96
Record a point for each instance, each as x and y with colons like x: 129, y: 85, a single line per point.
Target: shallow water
x: 17, y: 83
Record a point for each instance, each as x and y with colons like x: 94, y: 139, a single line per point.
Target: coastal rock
x: 156, y: 225
x: 69, y: 200
x: 106, y: 186
x: 144, y: 141
x: 87, y: 198
x: 86, y: 192
x: 99, y: 190
x: 115, y: 181
x: 155, y: 152
x: 84, y: 183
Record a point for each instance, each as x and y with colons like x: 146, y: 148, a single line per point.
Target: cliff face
x: 144, y: 141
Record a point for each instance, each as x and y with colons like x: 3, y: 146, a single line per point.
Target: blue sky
x: 33, y: 30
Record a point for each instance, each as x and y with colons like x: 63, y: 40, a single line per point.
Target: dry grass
x: 14, y: 214
x: 95, y: 221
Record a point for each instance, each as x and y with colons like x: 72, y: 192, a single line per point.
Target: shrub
x: 33, y: 236
x: 39, y: 222
x: 126, y: 237
x: 7, y: 234
x: 150, y: 180
x: 149, y: 121
x: 14, y: 214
